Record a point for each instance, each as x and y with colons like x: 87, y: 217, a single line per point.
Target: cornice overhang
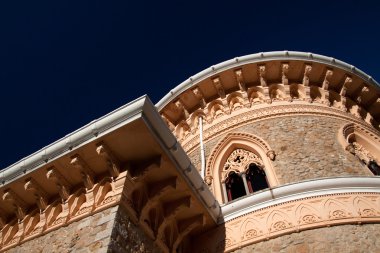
x: 258, y: 58
x: 128, y: 157
x: 265, y: 79
x: 94, y: 130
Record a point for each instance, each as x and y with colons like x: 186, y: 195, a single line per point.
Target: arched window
x: 234, y: 186
x: 364, y: 156
x: 244, y: 174
x: 234, y: 159
x: 362, y: 143
x: 256, y: 178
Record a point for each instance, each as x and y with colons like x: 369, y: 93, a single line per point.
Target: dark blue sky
x: 66, y: 63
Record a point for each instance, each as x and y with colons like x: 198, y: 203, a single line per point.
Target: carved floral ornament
x: 60, y: 212
x: 246, y: 117
x: 236, y: 138
x: 293, y: 216
x: 239, y: 161
x: 149, y: 205
x: 234, y: 153
x: 361, y: 141
x: 350, y: 95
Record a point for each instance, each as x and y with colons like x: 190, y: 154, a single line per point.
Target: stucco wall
x: 306, y: 146
x: 345, y: 238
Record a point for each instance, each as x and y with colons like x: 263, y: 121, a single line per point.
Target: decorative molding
x: 284, y: 74
x: 199, y: 95
x: 262, y: 72
x: 293, y: 216
x: 55, y: 214
x: 219, y: 87
x: 19, y: 205
x: 62, y: 184
x: 113, y: 164
x: 40, y: 194
x: 240, y: 79
x: 354, y: 96
x: 238, y: 161
x: 238, y: 136
x: 255, y: 114
x: 306, y: 74
x: 257, y: 149
x: 85, y: 171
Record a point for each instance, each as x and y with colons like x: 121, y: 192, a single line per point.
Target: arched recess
x: 363, y: 143
x: 215, y: 174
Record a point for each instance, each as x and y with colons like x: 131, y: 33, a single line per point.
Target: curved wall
x: 306, y: 147
x: 345, y: 238
x: 308, y: 120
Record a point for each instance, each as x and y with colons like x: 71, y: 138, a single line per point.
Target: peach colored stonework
x: 271, y: 152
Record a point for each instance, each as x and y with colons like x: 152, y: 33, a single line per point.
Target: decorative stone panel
x: 290, y: 217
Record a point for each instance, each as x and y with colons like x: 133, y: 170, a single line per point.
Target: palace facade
x: 270, y: 152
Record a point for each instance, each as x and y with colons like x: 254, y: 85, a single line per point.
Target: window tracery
x: 363, y: 143
x: 244, y: 174
x: 235, y: 153
x: 365, y: 157
x: 239, y: 159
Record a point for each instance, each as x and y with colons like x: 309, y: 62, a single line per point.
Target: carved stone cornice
x: 198, y: 94
x: 85, y: 171
x: 354, y: 94
x: 347, y: 82
x: 284, y: 74
x: 113, y: 164
x: 18, y: 203
x: 62, y: 184
x: 240, y: 79
x: 148, y: 179
x: 41, y: 196
x: 262, y: 74
x: 326, y: 80
x: 306, y: 79
x: 219, y: 87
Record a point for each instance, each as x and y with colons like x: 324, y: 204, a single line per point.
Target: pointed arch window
x: 365, y: 157
x: 362, y: 143
x: 244, y: 173
x: 241, y: 153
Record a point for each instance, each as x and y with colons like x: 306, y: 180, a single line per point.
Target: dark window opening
x: 374, y: 167
x: 234, y: 186
x: 256, y: 178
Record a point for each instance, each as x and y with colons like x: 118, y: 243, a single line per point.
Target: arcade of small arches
x: 216, y: 98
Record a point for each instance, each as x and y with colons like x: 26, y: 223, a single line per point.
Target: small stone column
x: 243, y: 176
x: 224, y: 192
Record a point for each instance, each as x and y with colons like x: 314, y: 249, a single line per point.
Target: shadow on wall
x: 213, y: 241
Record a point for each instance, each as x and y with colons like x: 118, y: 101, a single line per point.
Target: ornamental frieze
x: 245, y: 117
x: 290, y: 217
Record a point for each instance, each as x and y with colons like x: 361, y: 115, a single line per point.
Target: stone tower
x: 271, y: 152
